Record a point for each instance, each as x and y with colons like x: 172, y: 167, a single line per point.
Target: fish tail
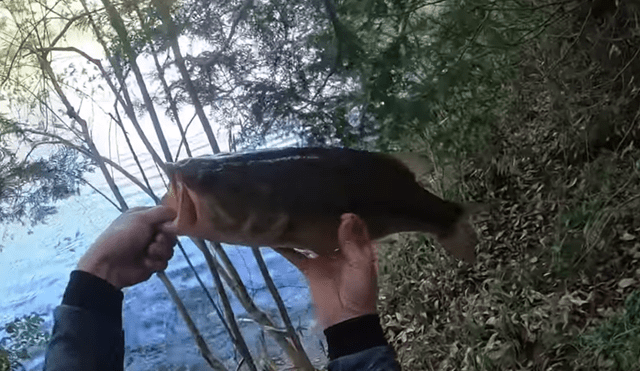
x: 461, y: 239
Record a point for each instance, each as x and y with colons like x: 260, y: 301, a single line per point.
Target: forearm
x: 359, y: 344
x: 87, y: 332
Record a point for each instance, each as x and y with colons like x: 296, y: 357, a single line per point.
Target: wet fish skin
x: 294, y: 197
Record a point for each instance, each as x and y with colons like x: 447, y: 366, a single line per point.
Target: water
x: 35, y: 264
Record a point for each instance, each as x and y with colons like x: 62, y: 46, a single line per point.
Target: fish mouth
x: 179, y: 199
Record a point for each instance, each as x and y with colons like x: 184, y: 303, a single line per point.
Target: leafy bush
x: 25, y: 334
x: 616, y: 343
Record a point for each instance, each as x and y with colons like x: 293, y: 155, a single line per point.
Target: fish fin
x: 184, y: 206
x: 462, y: 241
x: 417, y: 163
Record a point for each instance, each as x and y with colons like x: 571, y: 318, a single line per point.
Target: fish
x: 294, y: 198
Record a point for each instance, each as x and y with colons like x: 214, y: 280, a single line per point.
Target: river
x: 35, y: 263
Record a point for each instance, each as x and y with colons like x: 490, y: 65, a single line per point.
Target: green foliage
x: 25, y: 334
x: 5, y: 363
x: 30, y: 187
x: 616, y: 343
x: 373, y: 69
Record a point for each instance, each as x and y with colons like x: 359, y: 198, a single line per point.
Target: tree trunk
x: 173, y: 41
x: 165, y: 87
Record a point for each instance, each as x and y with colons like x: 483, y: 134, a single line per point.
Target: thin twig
x: 475, y: 34
x: 204, y: 348
x: 118, y: 120
x: 562, y: 57
x: 100, y: 192
x: 204, y: 288
x: 233, y: 280
x: 228, y: 311
x: 303, y: 362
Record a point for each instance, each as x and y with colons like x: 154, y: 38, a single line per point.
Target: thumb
x: 353, y: 235
x: 376, y: 264
x: 159, y: 214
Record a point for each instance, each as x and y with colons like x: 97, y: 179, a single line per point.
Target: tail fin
x: 462, y: 240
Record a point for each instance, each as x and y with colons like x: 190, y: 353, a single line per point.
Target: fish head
x: 190, y: 181
x: 214, y: 194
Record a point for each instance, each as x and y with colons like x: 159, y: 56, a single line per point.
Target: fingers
x: 162, y: 247
x: 169, y: 228
x: 138, y: 209
x: 353, y: 231
x: 158, y: 214
x: 353, y: 237
x: 160, y: 252
x: 154, y: 265
x: 375, y: 257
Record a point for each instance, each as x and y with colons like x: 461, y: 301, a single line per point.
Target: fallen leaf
x: 626, y: 236
x: 626, y: 282
x: 569, y: 298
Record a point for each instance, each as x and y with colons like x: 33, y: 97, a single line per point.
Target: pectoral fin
x: 462, y: 242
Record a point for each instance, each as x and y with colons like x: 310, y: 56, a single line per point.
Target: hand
x: 343, y: 285
x: 139, y: 242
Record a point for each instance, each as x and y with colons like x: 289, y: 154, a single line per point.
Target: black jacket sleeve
x: 87, y: 333
x: 87, y: 330
x: 359, y: 344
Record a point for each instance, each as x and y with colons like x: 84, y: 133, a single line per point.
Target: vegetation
x: 531, y: 107
x: 29, y: 187
x: 560, y: 244
x: 25, y: 334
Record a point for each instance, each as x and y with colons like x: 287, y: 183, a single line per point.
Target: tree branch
x: 302, y: 361
x: 228, y: 311
x: 204, y: 348
x: 88, y: 154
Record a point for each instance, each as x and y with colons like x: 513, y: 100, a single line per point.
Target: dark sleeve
x: 359, y: 344
x: 87, y: 329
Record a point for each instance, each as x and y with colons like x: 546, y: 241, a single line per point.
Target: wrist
x: 343, y: 316
x: 354, y: 335
x: 99, y: 269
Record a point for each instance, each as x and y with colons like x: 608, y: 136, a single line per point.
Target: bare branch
x: 206, y: 353
x: 302, y: 360
x: 88, y: 154
x: 228, y: 311
x: 241, y: 14
x: 100, y: 193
